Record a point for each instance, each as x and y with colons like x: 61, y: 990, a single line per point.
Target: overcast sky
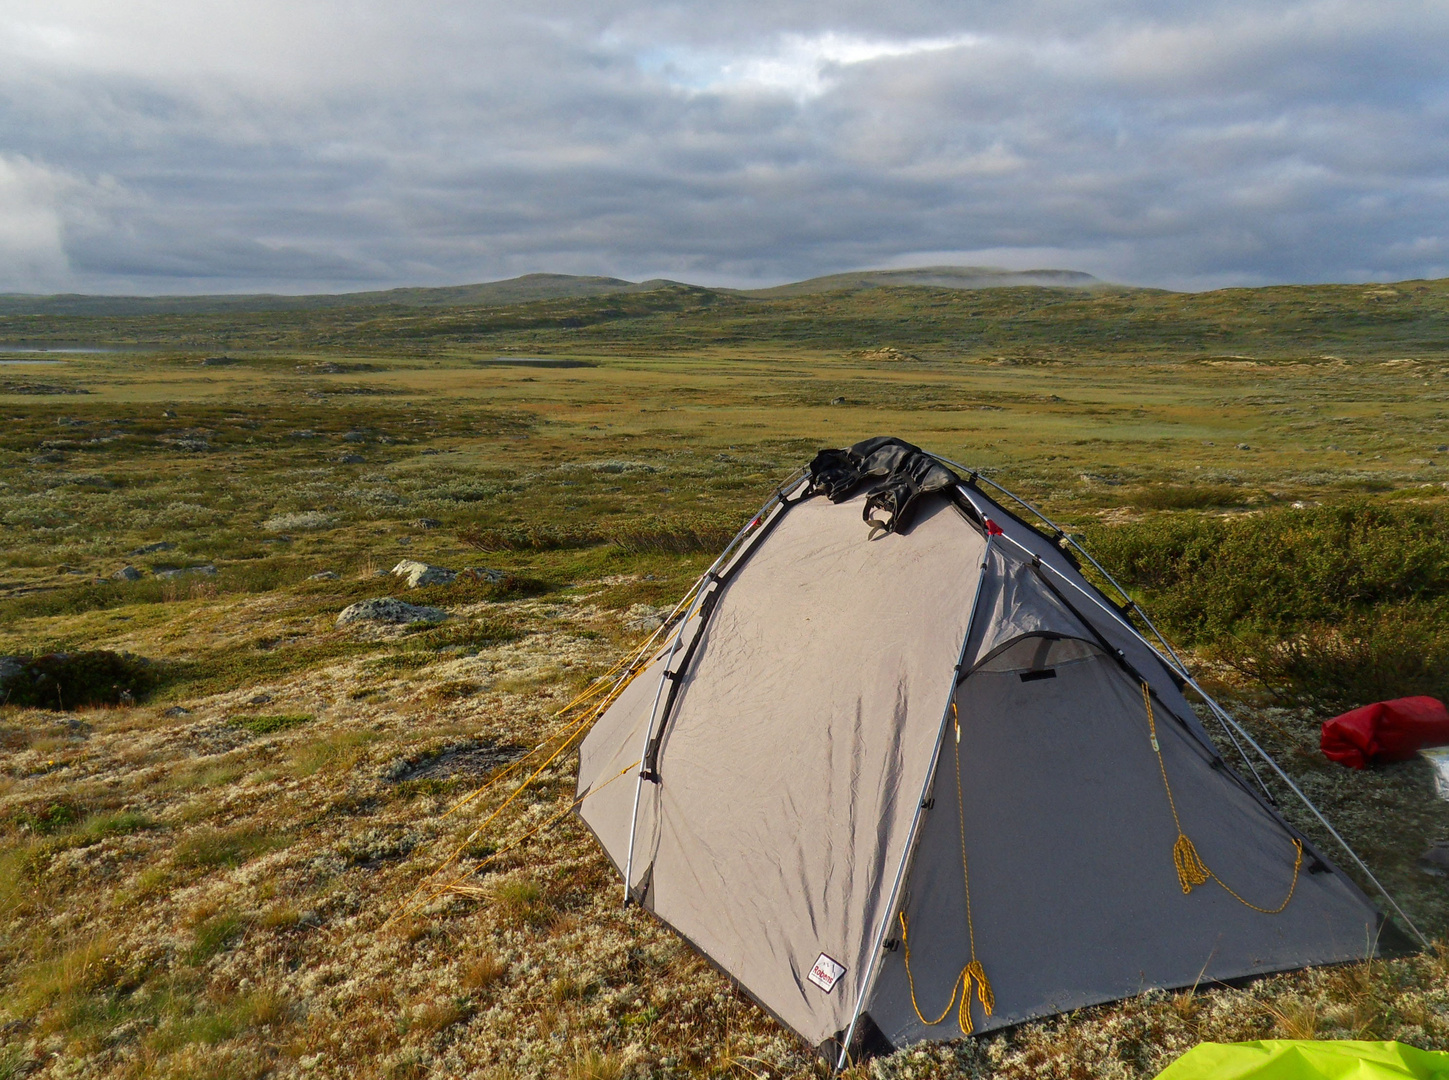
x: 160, y: 146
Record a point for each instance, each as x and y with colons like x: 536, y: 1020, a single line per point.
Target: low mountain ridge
x: 526, y: 289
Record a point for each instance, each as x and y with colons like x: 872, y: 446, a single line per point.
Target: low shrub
x: 72, y: 680
x: 270, y: 725
x: 1396, y: 652
x: 1205, y: 578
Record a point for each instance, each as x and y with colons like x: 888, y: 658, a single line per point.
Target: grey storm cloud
x: 193, y: 145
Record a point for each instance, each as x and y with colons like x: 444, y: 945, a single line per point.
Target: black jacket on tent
x: 905, y: 774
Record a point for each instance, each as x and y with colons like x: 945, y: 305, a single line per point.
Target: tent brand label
x: 826, y: 973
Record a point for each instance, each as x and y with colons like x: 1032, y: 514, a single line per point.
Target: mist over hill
x: 526, y: 289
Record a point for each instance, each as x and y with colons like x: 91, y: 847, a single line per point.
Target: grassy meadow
x: 202, y: 882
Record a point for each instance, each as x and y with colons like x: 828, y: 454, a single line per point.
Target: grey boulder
x: 420, y: 573
x: 387, y: 609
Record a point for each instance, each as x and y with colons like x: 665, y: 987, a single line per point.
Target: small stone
x: 260, y: 699
x: 352, y: 459
x: 325, y: 575
x: 177, y: 710
x: 207, y: 569
x: 427, y: 523
x: 1436, y: 859
x: 147, y: 549
x: 388, y: 609
x: 644, y: 618
x: 1441, y: 449
x: 421, y: 573
x: 483, y: 574
x: 354, y: 436
x: 1244, y: 446
x: 127, y: 573
x: 837, y: 401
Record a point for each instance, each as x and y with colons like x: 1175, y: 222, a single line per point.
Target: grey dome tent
x: 904, y: 774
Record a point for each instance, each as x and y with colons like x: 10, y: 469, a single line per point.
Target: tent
x: 903, y: 774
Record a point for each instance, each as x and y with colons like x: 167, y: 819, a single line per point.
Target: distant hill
x: 522, y: 290
x: 936, y: 277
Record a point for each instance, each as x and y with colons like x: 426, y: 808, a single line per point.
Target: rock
x: 325, y: 575
x: 162, y: 545
x: 427, y: 523
x: 217, y: 361
x: 837, y: 401
x: 49, y: 458
x: 1436, y: 860
x: 304, y: 519
x: 888, y: 353
x: 177, y: 710
x: 1244, y: 446
x: 420, y: 573
x: 127, y: 573
x: 11, y: 670
x: 355, y: 436
x: 482, y: 573
x: 352, y: 459
x: 260, y: 699
x: 207, y: 569
x: 387, y: 609
x: 644, y: 618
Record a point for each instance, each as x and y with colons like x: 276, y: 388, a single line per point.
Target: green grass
x: 208, y: 849
x: 271, y: 724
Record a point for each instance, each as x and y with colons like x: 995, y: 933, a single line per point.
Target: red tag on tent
x: 1385, y: 731
x: 993, y: 529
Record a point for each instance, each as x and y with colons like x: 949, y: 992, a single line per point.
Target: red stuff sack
x: 1385, y: 731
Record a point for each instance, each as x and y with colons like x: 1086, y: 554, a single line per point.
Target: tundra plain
x: 211, y: 881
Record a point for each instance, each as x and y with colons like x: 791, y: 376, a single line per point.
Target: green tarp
x: 1297, y: 1059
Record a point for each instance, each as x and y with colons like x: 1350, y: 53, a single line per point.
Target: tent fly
x: 905, y: 774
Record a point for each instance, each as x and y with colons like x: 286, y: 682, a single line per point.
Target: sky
x: 184, y: 146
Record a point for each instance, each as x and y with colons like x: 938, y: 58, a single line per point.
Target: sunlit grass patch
x: 331, y: 753
x: 208, y: 849
x: 271, y: 724
x: 214, y: 935
x: 523, y: 902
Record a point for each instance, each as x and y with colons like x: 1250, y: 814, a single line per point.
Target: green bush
x: 1396, y: 652
x: 70, y: 680
x: 1205, y: 578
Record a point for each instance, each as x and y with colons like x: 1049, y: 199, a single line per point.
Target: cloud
x: 32, y: 245
x: 164, y: 146
x: 800, y: 66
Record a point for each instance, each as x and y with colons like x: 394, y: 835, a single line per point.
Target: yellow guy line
x: 474, y: 890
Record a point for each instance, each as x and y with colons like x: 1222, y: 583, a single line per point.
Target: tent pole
x: 699, y: 586
x: 1166, y: 652
x: 1226, y: 720
x: 891, y: 900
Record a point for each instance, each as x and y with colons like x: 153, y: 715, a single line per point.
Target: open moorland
x: 211, y: 838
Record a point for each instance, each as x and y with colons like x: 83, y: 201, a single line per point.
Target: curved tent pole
x: 789, y: 485
x: 888, y: 911
x: 1224, y: 718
